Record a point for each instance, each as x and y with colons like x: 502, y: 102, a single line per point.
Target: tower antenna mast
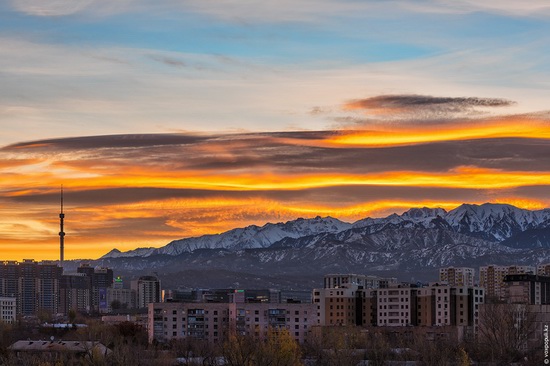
x: 61, y: 232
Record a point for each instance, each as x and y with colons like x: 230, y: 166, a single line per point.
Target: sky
x: 176, y: 118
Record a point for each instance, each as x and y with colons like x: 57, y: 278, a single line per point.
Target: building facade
x: 101, y: 278
x: 442, y: 304
x: 396, y: 305
x: 491, y: 278
x: 8, y: 309
x: 75, y: 293
x: 215, y: 321
x: 457, y: 276
x: 527, y: 289
x: 34, y: 285
x: 147, y: 290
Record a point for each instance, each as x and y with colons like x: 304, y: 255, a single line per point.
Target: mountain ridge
x: 487, y: 222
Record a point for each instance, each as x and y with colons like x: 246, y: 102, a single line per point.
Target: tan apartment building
x: 442, y: 304
x: 457, y: 276
x: 344, y: 306
x: 491, y: 278
x: 349, y: 299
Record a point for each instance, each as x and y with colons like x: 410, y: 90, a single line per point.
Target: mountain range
x: 415, y: 243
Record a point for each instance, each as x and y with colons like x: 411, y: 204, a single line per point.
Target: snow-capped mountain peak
x: 489, y: 222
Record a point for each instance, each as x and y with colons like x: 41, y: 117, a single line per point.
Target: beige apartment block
x: 491, y: 278
x: 345, y: 306
x: 395, y: 305
x: 457, y: 276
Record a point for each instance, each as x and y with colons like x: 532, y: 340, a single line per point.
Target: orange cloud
x: 207, y: 186
x: 507, y: 128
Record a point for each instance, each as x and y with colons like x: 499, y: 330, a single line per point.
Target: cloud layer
x: 140, y: 190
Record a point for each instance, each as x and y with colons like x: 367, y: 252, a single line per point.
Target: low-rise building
x: 215, y: 321
x: 8, y: 309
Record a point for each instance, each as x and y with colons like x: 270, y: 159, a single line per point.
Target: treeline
x: 505, y: 337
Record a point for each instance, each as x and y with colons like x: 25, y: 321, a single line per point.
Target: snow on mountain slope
x: 422, y: 216
x: 489, y: 222
x: 495, y: 221
x: 249, y: 237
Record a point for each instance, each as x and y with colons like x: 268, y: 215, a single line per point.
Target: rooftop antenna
x: 61, y: 232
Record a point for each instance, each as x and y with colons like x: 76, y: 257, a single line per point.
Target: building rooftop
x: 59, y: 346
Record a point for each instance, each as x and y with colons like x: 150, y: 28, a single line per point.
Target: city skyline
x: 186, y: 118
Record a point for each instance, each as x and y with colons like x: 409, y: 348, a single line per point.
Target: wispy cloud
x: 282, y: 11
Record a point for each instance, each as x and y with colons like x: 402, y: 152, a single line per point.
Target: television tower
x: 61, y: 232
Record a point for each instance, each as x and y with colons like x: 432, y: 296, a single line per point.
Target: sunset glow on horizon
x: 147, y: 195
x: 178, y: 119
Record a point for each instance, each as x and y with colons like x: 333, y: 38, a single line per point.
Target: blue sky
x: 91, y: 67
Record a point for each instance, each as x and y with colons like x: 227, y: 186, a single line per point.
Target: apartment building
x: 527, y: 289
x: 34, y: 285
x: 356, y: 281
x: 124, y: 298
x: 205, y: 321
x: 543, y: 269
x: 396, y: 305
x: 349, y: 299
x: 8, y: 309
x: 101, y: 278
x: 257, y: 318
x: 457, y: 276
x: 491, y: 278
x: 147, y: 290
x: 214, y: 321
x: 345, y: 306
x: 75, y: 293
x: 440, y: 304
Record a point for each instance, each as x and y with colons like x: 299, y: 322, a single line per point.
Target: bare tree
x: 504, y: 331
